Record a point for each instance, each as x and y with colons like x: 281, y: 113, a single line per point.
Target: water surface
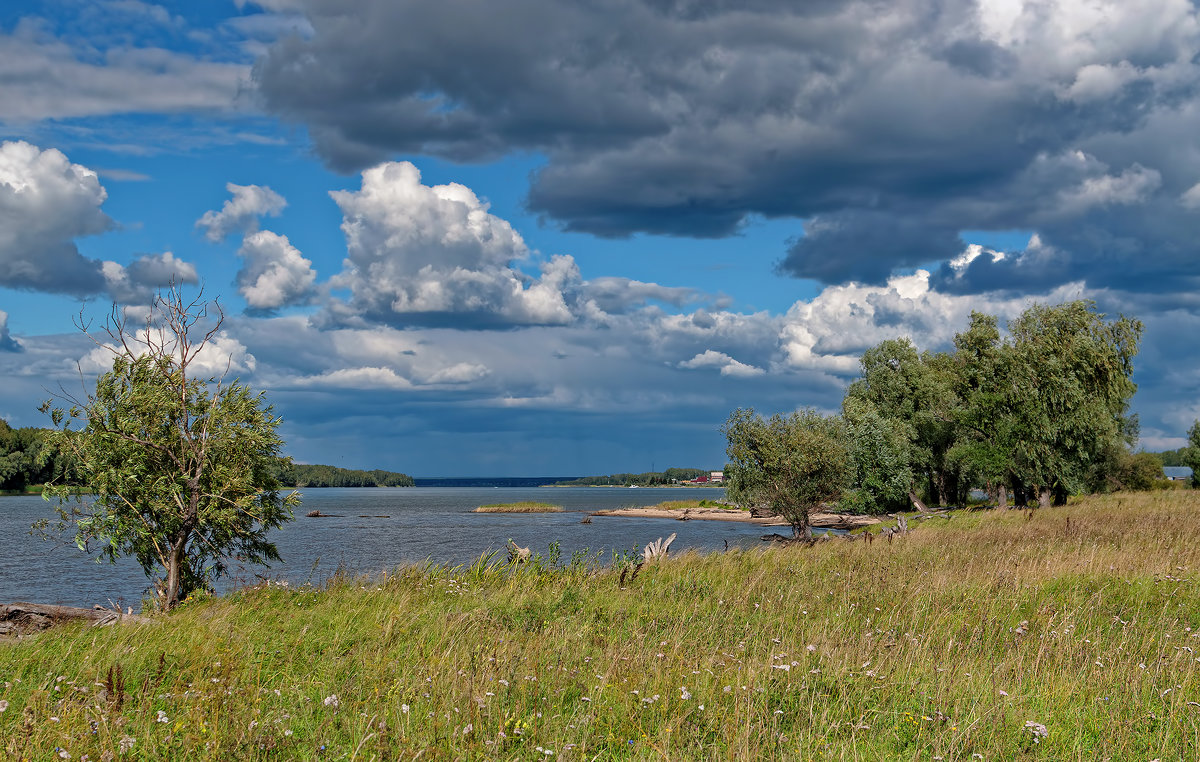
x: 371, y: 530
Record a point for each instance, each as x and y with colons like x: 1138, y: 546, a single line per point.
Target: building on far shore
x: 1177, y: 473
x: 717, y: 477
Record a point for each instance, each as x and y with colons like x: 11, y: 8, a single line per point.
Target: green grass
x: 846, y: 650
x: 682, y: 505
x: 526, y: 506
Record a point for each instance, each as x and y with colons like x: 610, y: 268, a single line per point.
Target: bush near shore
x: 526, y: 506
x: 1068, y: 633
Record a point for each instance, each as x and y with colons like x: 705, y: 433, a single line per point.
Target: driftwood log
x: 517, y: 554
x: 18, y: 619
x: 657, y: 549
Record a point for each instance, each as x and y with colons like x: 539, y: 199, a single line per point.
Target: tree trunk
x: 916, y: 501
x: 170, y: 594
x: 1002, y: 499
x: 1045, y: 497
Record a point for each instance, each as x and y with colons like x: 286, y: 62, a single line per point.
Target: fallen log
x: 17, y: 619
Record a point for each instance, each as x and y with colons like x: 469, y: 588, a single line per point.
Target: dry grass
x: 959, y: 641
x: 526, y: 506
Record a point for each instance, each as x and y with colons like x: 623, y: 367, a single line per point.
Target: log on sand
x: 17, y: 619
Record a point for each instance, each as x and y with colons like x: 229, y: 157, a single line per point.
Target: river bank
x: 816, y: 520
x: 1063, y: 634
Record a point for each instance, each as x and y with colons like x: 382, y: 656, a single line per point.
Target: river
x: 369, y: 531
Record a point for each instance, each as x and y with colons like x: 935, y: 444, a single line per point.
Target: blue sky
x: 571, y: 238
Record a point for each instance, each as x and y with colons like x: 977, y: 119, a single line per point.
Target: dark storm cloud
x: 886, y: 127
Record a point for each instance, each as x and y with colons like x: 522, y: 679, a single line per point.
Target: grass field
x: 1069, y: 634
x: 526, y: 506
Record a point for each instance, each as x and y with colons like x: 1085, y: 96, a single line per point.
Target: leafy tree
x: 1138, y: 472
x: 880, y: 471
x: 183, y: 464
x: 1067, y: 388
x: 914, y: 393
x: 1191, y: 456
x: 790, y: 464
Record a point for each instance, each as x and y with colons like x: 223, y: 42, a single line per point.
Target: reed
x: 526, y: 506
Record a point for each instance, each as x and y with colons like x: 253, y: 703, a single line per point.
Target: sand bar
x: 819, y: 520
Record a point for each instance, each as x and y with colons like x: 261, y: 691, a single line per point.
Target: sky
x: 542, y: 237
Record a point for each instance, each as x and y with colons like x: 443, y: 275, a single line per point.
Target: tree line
x: 648, y: 479
x: 29, y: 457
x: 1030, y: 416
x: 302, y: 475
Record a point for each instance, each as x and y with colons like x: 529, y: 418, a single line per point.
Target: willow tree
x: 180, y: 461
x: 790, y: 464
x: 1067, y: 385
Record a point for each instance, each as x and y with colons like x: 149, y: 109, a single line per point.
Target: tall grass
x: 525, y: 506
x: 961, y: 640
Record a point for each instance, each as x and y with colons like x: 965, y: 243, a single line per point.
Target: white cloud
x: 1132, y: 186
x: 45, y: 203
x: 459, y: 373
x: 242, y: 212
x: 7, y: 342
x: 145, y: 275
x: 1191, y: 197
x: 418, y: 253
x: 274, y: 273
x: 727, y: 365
x: 223, y: 356
x: 53, y: 78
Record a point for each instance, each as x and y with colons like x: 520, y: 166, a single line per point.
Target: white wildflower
x: 332, y: 700
x: 162, y: 717
x: 1037, y: 730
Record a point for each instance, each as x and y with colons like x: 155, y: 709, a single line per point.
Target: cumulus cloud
x: 7, y: 342
x: 421, y: 254
x: 45, y: 203
x: 223, y: 355
x: 138, y: 281
x: 885, y: 130
x: 274, y: 274
x: 727, y: 365
x: 242, y: 212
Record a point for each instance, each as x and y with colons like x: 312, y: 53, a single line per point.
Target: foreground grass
x: 1083, y: 620
x: 526, y: 506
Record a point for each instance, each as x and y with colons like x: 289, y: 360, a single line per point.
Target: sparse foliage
x: 182, y: 464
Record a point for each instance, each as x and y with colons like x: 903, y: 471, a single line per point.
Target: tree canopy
x: 182, y: 464
x: 790, y: 464
x: 1040, y: 413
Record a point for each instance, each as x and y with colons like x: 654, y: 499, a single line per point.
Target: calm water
x: 372, y: 530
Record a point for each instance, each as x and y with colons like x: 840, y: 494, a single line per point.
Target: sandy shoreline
x: 818, y: 520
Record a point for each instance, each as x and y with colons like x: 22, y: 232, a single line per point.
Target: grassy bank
x: 683, y: 505
x: 967, y: 637
x: 527, y: 506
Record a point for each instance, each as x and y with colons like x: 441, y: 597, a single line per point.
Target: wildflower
x: 466, y: 731
x: 1037, y: 730
x: 162, y: 717
x: 332, y: 700
x: 684, y: 695
x: 1003, y: 693
x: 126, y: 743
x: 810, y: 648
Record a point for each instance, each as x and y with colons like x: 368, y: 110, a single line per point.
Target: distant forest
x: 649, y: 479
x: 29, y: 459
x: 302, y: 475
